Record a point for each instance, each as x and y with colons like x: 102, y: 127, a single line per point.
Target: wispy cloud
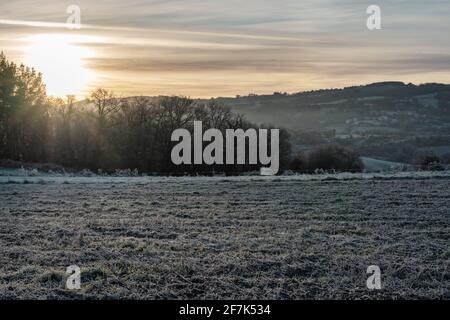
x: 212, y: 47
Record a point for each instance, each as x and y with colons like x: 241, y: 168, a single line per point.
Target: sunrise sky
x: 205, y: 48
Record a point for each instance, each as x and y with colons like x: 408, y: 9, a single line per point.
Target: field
x: 225, y: 238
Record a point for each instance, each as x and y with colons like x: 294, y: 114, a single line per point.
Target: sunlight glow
x: 62, y: 61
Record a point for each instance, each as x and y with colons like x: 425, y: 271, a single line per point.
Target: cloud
x: 204, y: 47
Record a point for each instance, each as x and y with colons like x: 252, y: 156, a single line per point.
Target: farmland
x: 225, y: 238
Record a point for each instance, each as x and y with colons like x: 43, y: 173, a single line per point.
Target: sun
x: 62, y: 61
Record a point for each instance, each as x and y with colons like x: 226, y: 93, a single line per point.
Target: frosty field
x: 225, y: 238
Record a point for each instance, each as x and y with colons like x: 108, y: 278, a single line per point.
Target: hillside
x: 386, y: 106
x: 388, y: 120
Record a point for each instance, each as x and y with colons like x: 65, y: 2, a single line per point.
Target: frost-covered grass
x: 33, y: 176
x: 288, y: 237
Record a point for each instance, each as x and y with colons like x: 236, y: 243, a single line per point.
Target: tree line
x: 105, y: 132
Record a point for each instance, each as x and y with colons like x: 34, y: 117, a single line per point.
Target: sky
x: 211, y: 48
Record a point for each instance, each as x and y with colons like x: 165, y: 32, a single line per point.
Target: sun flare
x: 62, y: 61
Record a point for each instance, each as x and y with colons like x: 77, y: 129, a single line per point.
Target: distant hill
x: 390, y: 121
x: 384, y: 106
x: 389, y: 107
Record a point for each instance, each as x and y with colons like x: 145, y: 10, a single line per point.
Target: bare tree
x: 105, y: 103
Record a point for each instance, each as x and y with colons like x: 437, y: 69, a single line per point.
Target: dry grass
x: 221, y: 239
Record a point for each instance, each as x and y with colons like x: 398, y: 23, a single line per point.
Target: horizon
x: 211, y: 49
x: 280, y: 92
